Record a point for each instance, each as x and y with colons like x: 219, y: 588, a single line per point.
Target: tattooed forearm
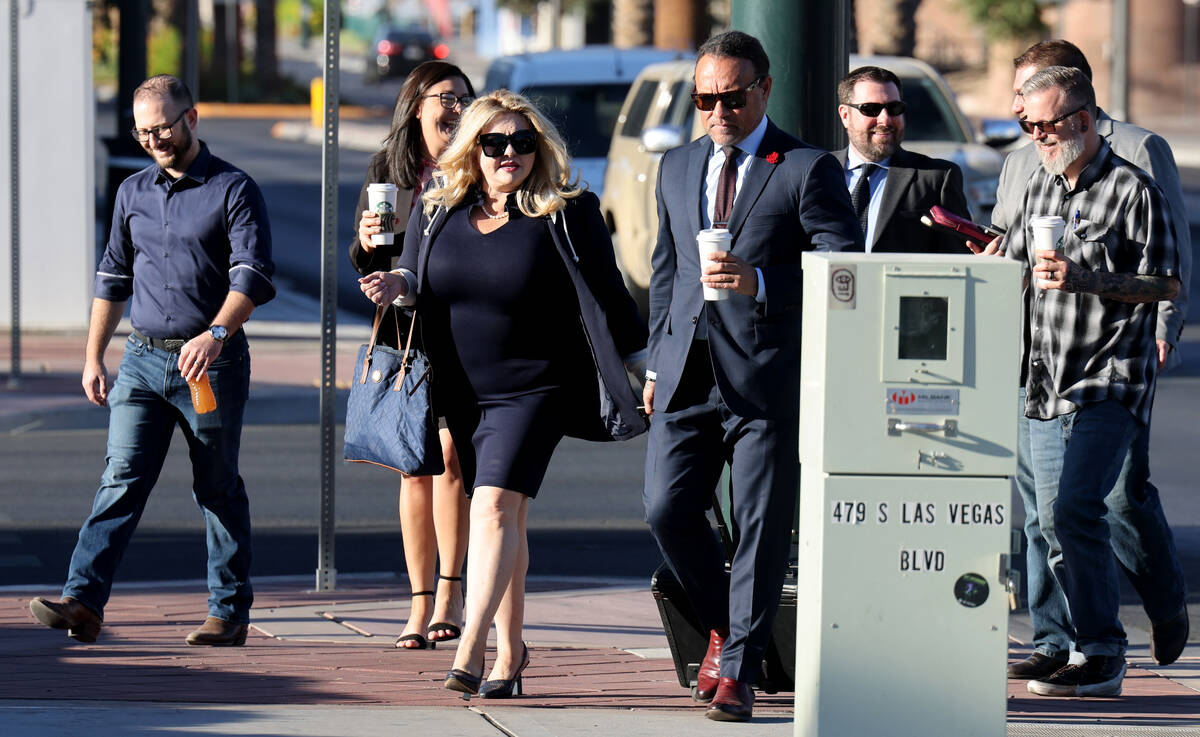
x: 1122, y: 287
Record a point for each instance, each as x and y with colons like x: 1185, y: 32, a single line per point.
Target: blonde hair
x: 546, y: 189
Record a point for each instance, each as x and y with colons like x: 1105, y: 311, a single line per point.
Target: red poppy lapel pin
x: 773, y: 157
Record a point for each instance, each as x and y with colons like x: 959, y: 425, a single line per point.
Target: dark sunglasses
x: 873, y: 109
x: 732, y: 100
x: 1046, y: 126
x: 495, y: 144
x: 449, y: 100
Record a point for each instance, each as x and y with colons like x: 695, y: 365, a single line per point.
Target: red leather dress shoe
x: 710, y: 668
x: 734, y: 702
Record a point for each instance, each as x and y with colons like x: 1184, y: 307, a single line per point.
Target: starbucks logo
x: 387, y: 216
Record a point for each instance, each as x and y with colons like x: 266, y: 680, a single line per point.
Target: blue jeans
x: 1053, y: 632
x: 1076, y: 459
x: 1140, y: 537
x: 147, y: 400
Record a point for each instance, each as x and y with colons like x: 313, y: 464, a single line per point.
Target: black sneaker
x: 1101, y: 675
x: 1167, y: 639
x: 1038, y: 665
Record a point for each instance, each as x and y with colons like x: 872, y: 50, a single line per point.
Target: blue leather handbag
x: 389, y: 416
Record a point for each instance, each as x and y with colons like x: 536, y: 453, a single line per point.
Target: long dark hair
x: 404, y: 148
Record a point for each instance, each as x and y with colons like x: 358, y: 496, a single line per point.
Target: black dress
x: 513, y: 320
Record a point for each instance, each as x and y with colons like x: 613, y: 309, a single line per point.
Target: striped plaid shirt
x: 1080, y: 348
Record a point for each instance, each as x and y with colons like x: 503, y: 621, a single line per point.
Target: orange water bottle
x: 202, y: 394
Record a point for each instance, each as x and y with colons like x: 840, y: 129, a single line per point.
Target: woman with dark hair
x: 530, y: 332
x: 433, y: 509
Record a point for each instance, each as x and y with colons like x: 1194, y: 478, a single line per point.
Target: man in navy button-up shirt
x: 191, y: 244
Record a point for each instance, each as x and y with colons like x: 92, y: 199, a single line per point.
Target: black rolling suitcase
x: 689, y: 642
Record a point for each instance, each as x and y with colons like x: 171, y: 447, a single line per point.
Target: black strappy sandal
x: 422, y: 642
x: 454, y: 629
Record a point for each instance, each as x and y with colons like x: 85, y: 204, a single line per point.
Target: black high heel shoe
x: 421, y: 642
x: 508, y: 687
x: 454, y: 630
x: 463, y: 682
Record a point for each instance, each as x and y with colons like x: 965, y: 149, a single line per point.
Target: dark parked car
x: 397, y: 51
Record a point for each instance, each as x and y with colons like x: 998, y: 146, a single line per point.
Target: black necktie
x: 726, y: 188
x: 860, y: 198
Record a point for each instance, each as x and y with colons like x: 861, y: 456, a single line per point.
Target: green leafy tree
x: 1006, y: 20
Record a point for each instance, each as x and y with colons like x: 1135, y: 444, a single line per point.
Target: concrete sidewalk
x: 324, y: 664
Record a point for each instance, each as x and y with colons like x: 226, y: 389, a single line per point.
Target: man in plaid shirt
x: 1091, y: 358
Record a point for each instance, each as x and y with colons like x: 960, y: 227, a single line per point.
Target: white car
x: 658, y: 115
x: 582, y: 91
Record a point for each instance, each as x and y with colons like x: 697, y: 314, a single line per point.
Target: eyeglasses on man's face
x: 894, y: 108
x: 1046, y: 126
x: 495, y: 144
x: 732, y: 99
x: 450, y: 100
x: 161, y: 132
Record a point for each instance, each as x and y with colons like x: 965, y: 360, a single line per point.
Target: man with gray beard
x: 1135, y: 513
x: 1091, y: 359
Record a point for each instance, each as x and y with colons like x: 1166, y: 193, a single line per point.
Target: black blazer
x: 382, y: 257
x: 610, y: 318
x: 915, y: 183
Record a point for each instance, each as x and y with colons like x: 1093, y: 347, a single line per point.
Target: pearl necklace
x: 503, y: 213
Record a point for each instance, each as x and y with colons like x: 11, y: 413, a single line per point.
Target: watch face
x: 219, y: 332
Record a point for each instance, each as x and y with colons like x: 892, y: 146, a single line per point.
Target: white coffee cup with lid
x: 1048, y: 233
x: 381, y: 199
x: 710, y: 241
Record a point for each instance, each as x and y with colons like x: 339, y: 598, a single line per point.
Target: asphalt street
x: 587, y: 521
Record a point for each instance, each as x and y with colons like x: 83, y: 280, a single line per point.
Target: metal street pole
x: 232, y: 47
x: 326, y: 572
x: 191, y: 47
x: 1120, y: 60
x: 14, y: 376
x: 808, y: 44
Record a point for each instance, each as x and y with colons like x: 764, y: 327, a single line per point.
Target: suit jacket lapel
x: 899, y: 178
x: 756, y: 178
x: 697, y: 169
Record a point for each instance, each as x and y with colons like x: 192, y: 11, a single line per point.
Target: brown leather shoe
x: 217, y: 632
x: 68, y: 614
x: 709, y: 674
x: 734, y: 702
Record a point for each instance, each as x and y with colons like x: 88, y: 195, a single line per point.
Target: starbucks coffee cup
x: 1048, y: 232
x: 381, y: 199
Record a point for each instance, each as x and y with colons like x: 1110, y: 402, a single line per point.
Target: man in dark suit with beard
x: 891, y: 188
x: 724, y: 376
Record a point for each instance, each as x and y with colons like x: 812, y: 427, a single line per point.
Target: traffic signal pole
x: 808, y: 43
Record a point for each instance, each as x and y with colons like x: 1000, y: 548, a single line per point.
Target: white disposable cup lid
x: 1047, y: 221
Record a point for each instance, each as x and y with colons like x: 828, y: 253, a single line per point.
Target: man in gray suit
x: 1141, y: 538
x: 891, y: 188
x: 724, y: 376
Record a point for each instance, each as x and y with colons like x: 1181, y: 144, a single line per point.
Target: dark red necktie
x: 726, y: 188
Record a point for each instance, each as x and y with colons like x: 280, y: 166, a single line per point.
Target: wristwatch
x: 219, y: 333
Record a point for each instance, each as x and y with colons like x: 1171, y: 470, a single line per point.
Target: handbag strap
x: 374, y: 336
x: 412, y: 328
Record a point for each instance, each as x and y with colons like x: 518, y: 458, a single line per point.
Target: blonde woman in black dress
x: 433, y: 509
x: 530, y: 331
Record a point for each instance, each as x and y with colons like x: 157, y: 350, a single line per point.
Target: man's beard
x: 878, y: 151
x: 1056, y: 159
x: 180, y: 145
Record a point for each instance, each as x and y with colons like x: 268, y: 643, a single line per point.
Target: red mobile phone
x: 941, y: 218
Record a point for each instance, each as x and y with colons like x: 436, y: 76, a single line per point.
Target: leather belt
x: 170, y: 345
